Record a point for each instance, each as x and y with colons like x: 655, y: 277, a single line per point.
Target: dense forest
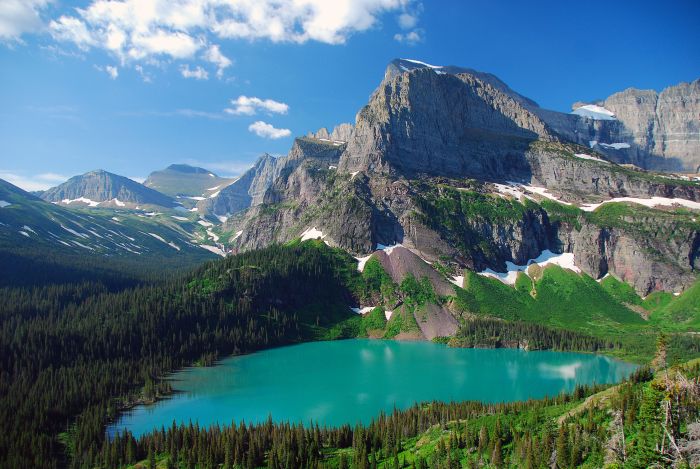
x: 74, y: 353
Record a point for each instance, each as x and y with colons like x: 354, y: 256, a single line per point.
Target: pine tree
x: 497, y: 455
x: 563, y: 453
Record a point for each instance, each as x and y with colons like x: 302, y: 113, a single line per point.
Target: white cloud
x: 198, y: 73
x: 265, y: 130
x: 213, y: 54
x: 146, y: 30
x: 37, y: 182
x: 407, y: 20
x: 110, y: 70
x: 20, y: 16
x: 248, y: 106
x: 410, y: 38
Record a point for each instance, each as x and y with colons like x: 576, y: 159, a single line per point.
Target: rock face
x: 101, y: 186
x: 427, y: 134
x: 247, y: 190
x: 427, y: 121
x: 341, y: 133
x: 651, y: 130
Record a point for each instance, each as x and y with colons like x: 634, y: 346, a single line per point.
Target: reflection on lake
x: 353, y: 380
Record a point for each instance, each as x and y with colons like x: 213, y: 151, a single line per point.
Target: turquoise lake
x: 353, y: 380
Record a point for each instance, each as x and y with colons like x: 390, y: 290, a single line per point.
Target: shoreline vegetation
x: 74, y: 354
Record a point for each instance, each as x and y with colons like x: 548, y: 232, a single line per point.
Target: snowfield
x: 213, y: 249
x: 4, y: 203
x: 653, y: 202
x: 312, y: 233
x: 583, y: 156
x: 547, y: 257
x: 84, y: 200
x: 592, y: 111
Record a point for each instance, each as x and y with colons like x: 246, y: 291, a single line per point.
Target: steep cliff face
x: 651, y: 130
x: 418, y: 170
x: 247, y: 190
x: 427, y: 121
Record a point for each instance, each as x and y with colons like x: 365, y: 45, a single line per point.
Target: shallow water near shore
x: 351, y: 381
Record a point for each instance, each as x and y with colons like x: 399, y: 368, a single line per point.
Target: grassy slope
x: 563, y: 299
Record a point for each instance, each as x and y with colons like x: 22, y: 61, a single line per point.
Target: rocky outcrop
x: 651, y: 130
x: 425, y: 121
x: 340, y: 133
x: 102, y: 186
x: 426, y: 128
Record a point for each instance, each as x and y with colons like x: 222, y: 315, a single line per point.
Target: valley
x: 456, y: 227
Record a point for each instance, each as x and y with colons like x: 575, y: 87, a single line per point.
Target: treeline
x: 648, y: 421
x: 494, y: 333
x: 284, y: 446
x: 71, y: 350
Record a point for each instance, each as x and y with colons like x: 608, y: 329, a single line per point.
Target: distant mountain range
x: 458, y: 168
x: 181, y: 180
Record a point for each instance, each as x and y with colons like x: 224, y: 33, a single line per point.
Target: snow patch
x: 72, y: 231
x: 418, y: 62
x: 180, y: 218
x: 205, y: 223
x: 387, y: 314
x: 83, y: 246
x: 651, y: 203
x: 213, y: 249
x: 458, y: 280
x: 212, y: 235
x: 312, y: 233
x: 238, y: 233
x: 547, y: 257
x: 159, y: 238
x: 118, y: 203
x: 388, y: 249
x: 214, y: 188
x: 4, y: 203
x: 84, y: 200
x: 353, y: 174
x: 28, y: 228
x: 24, y: 233
x: 616, y: 146
x: 211, y: 196
x: 173, y: 245
x: 583, y: 156
x: 364, y: 310
x: 361, y: 261
x: 592, y: 111
x: 223, y: 218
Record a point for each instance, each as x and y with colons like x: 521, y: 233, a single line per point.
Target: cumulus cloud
x: 20, y: 16
x: 36, y: 182
x: 265, y: 130
x: 410, y: 38
x: 407, y: 20
x: 248, y: 106
x: 198, y: 73
x: 147, y: 30
x: 213, y: 55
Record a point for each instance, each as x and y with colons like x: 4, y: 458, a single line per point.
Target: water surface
x: 353, y: 380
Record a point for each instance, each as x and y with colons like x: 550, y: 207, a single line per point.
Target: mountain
x: 181, y: 180
x: 41, y: 234
x: 460, y: 169
x: 101, y: 188
x: 651, y: 130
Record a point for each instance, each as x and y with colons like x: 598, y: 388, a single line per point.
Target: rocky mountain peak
x: 100, y: 186
x: 427, y: 119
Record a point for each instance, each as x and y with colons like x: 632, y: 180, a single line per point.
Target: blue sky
x: 135, y: 85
